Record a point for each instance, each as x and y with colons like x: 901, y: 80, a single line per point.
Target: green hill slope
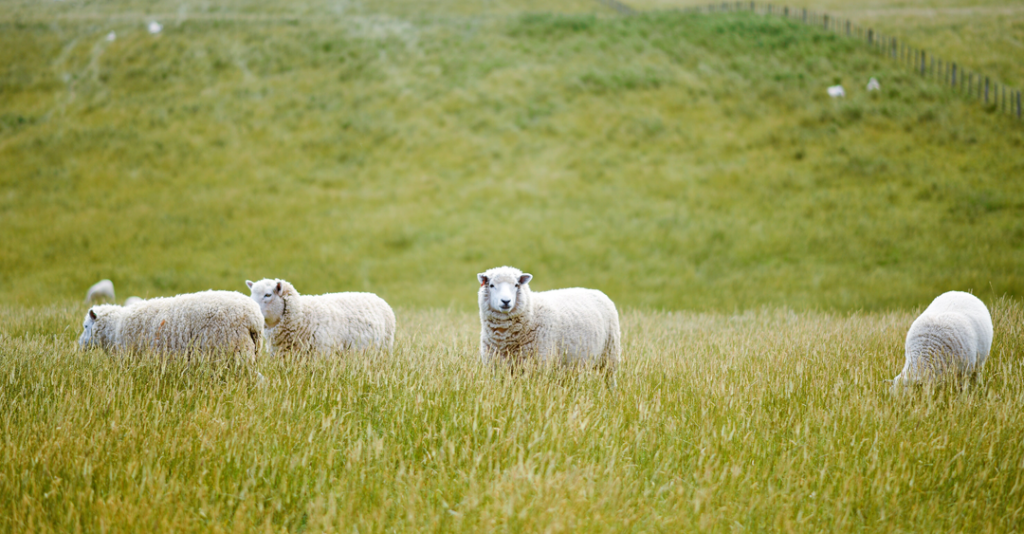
x: 673, y: 161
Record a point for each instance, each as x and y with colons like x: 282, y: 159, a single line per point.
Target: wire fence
x: 974, y: 85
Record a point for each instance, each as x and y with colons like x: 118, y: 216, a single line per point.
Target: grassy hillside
x: 673, y: 161
x: 985, y: 36
x: 762, y: 421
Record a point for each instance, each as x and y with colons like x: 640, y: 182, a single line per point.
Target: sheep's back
x: 351, y: 320
x: 580, y: 323
x: 976, y: 312
x: 209, y: 321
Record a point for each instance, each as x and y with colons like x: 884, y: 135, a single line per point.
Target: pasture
x: 765, y: 420
x: 767, y: 247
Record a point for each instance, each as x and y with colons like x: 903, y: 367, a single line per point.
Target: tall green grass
x: 765, y: 420
x: 672, y: 161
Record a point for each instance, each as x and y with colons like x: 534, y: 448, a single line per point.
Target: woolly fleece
x: 322, y: 324
x: 953, y: 336
x: 566, y: 326
x: 206, y: 322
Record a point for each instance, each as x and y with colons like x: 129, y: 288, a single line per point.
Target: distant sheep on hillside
x: 950, y: 339
x: 564, y: 326
x: 100, y: 291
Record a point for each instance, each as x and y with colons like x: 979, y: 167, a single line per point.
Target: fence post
x: 826, y: 21
x: 871, y: 34
x: 785, y: 12
x: 1018, y: 104
x: 847, y: 28
x: 805, y: 15
x: 954, y: 75
x: 986, y: 90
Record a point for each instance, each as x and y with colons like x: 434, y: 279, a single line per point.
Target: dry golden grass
x: 765, y: 420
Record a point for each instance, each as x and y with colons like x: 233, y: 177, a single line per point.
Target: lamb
x: 322, y: 324
x: 952, y: 336
x: 133, y: 300
x: 207, y: 322
x: 568, y: 327
x: 100, y: 291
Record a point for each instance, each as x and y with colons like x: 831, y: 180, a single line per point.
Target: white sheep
x: 206, y: 322
x: 873, y: 85
x: 133, y: 300
x: 951, y: 338
x: 322, y: 324
x: 100, y: 291
x: 568, y: 327
x: 836, y: 91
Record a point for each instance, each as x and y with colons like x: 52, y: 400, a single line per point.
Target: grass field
x: 768, y: 420
x: 768, y: 248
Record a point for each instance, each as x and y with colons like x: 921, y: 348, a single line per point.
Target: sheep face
x: 500, y: 288
x: 97, y: 328
x: 86, y: 340
x: 267, y: 293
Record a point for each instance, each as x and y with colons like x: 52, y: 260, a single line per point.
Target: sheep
x: 952, y: 336
x: 568, y: 327
x: 205, y: 322
x: 873, y: 85
x: 100, y: 291
x: 836, y: 91
x: 322, y: 324
x: 133, y: 300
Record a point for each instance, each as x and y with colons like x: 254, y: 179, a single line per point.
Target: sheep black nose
x: 505, y: 301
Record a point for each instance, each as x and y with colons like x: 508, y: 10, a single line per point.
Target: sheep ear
x: 525, y: 279
x: 278, y: 288
x: 249, y: 283
x: 482, y: 278
x: 92, y: 314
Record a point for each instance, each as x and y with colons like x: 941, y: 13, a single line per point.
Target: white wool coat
x: 205, y: 322
x: 950, y: 339
x: 323, y: 324
x: 565, y: 326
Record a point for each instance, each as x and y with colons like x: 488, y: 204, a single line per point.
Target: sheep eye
x: 266, y: 296
x: 492, y: 285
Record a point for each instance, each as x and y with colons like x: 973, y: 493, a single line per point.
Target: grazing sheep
x: 322, y: 323
x: 569, y: 327
x: 131, y: 301
x: 873, y: 85
x: 836, y: 91
x: 952, y: 337
x: 206, y: 322
x: 100, y: 291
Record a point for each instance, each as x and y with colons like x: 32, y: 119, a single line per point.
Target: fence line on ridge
x: 991, y: 93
